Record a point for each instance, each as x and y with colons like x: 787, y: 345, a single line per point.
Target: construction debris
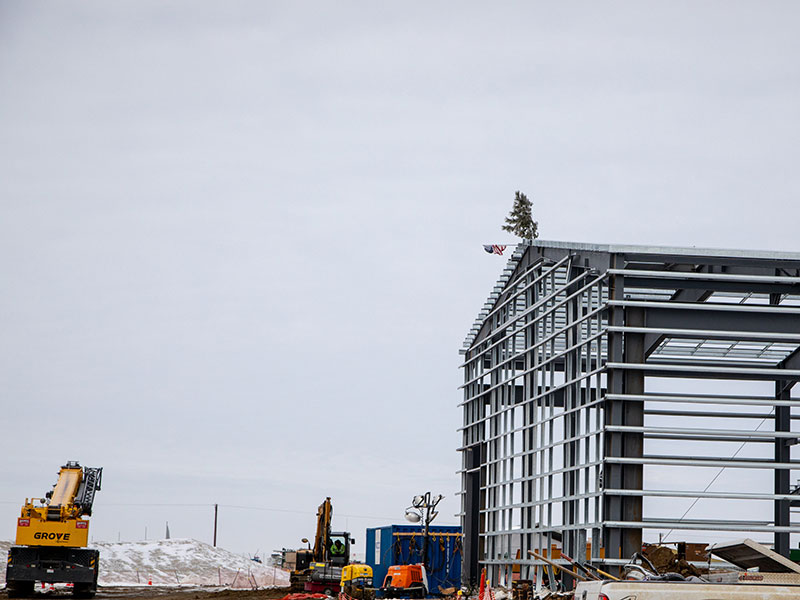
x: 666, y: 560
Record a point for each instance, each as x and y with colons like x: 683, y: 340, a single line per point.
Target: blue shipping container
x: 402, y: 545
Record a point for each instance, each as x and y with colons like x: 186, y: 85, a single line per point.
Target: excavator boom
x: 323, y: 535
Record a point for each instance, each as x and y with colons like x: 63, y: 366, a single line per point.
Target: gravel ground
x: 168, y: 593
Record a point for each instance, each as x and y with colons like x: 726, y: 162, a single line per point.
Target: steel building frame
x: 560, y: 432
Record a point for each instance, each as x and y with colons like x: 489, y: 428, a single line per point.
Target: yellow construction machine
x: 52, y: 535
x: 357, y: 582
x: 320, y: 569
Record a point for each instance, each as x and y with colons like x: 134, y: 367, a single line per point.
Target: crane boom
x: 69, y: 479
x: 57, y: 518
x: 84, y: 499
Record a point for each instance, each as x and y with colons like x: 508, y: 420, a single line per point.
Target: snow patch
x: 178, y: 562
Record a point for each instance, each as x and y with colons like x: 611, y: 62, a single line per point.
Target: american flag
x: 494, y: 249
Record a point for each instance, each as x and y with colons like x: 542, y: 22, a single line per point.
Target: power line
x: 235, y: 506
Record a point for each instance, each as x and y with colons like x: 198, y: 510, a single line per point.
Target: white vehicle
x: 680, y: 590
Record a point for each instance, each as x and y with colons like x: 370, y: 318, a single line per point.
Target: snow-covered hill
x: 179, y: 562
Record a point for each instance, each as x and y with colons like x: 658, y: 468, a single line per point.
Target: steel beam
x: 722, y: 318
x: 652, y: 340
x: 761, y: 287
x: 625, y: 348
x: 707, y: 371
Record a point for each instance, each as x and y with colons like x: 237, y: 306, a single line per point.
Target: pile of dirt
x: 666, y: 561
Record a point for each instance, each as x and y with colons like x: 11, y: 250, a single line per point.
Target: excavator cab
x: 339, y: 548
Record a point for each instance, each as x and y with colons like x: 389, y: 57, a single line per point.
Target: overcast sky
x: 240, y: 242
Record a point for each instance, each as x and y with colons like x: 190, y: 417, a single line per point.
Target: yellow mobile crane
x: 52, y: 536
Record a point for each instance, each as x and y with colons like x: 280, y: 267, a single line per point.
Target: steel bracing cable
x: 710, y: 483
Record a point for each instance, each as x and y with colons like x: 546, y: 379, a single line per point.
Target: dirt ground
x: 158, y: 593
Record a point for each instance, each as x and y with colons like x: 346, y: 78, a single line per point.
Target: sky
x: 240, y: 242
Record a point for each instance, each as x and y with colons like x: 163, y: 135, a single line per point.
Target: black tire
x: 19, y: 589
x: 84, y: 590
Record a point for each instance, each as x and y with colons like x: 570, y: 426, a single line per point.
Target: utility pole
x: 216, y: 510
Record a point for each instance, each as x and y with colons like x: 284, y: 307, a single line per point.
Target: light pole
x: 423, y: 508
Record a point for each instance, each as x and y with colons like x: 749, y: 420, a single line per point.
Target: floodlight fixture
x: 413, y: 516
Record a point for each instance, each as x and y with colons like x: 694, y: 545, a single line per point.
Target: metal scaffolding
x: 604, y: 385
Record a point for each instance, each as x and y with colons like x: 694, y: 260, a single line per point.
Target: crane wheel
x: 84, y: 590
x: 19, y: 589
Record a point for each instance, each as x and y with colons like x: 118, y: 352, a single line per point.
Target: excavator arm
x: 322, y: 539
